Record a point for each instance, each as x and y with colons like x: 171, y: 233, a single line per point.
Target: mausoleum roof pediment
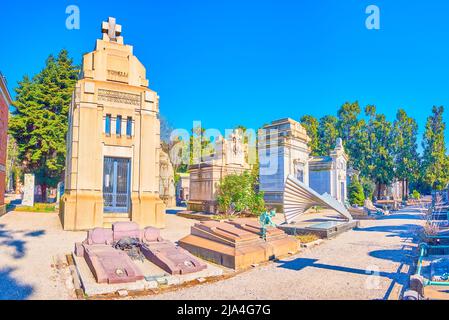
x: 320, y: 163
x: 112, y: 60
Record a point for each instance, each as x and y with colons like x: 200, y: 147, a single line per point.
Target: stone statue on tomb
x: 236, y: 144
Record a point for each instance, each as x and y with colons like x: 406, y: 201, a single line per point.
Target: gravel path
x: 32, y: 249
x: 32, y: 254
x: 341, y: 268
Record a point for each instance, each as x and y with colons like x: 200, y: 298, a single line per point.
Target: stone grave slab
x: 171, y: 258
x: 279, y: 243
x: 154, y: 277
x: 324, y: 230
x: 237, y: 244
x: 111, y: 266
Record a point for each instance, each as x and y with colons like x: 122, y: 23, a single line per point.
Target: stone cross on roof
x: 112, y: 31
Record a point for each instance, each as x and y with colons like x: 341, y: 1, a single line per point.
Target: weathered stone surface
x: 167, y: 181
x: 205, y: 177
x: 283, y: 150
x: 28, y: 190
x: 113, y: 114
x: 329, y: 174
x: 171, y: 258
x: 163, y: 253
x: 111, y: 266
x: 236, y: 245
x: 279, y: 243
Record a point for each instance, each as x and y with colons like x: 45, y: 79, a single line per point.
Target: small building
x: 393, y: 191
x: 113, y: 141
x: 283, y: 151
x: 329, y: 174
x: 205, y: 177
x: 5, y: 102
x: 182, y: 188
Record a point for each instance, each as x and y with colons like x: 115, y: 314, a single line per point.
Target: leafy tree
x: 356, y: 194
x: 359, y: 148
x: 381, y: 162
x: 327, y: 135
x: 406, y: 157
x: 351, y: 130
x: 198, y: 140
x: 435, y: 162
x: 13, y: 169
x: 347, y: 120
x: 39, y: 123
x: 311, y: 124
x: 368, y: 188
x: 237, y: 194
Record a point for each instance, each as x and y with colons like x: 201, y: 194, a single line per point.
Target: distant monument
x: 59, y: 192
x: 167, y: 181
x: 329, y: 174
x: 283, y: 151
x: 113, y: 142
x: 28, y: 191
x: 205, y: 177
x: 182, y: 187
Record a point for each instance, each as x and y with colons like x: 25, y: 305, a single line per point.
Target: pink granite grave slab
x: 109, y: 265
x: 122, y: 230
x: 171, y: 258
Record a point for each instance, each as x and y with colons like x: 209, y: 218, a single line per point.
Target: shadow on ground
x: 17, y: 239
x: 403, y: 231
x: 399, y: 216
x: 11, y: 289
x: 397, y: 277
x: 173, y: 211
x: 13, y: 205
x: 403, y: 256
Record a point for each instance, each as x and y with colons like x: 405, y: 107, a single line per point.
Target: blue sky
x: 249, y: 62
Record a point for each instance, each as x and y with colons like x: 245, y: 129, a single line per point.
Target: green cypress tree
x: 39, y: 123
x: 380, y: 162
x: 310, y: 123
x: 327, y: 135
x: 435, y: 162
x: 406, y: 157
x: 356, y: 194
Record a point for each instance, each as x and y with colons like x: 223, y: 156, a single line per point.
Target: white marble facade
x: 329, y: 174
x: 284, y: 151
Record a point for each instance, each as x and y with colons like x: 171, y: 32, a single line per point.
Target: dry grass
x: 307, y: 238
x: 220, y: 217
x: 38, y: 207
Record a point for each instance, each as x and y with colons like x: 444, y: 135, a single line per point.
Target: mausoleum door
x: 116, y: 184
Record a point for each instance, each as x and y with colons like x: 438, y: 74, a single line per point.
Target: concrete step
x: 110, y: 218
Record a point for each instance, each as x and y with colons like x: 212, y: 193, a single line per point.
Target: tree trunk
x: 378, y: 190
x: 17, y: 183
x: 44, y: 193
x: 403, y: 189
x: 406, y: 188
